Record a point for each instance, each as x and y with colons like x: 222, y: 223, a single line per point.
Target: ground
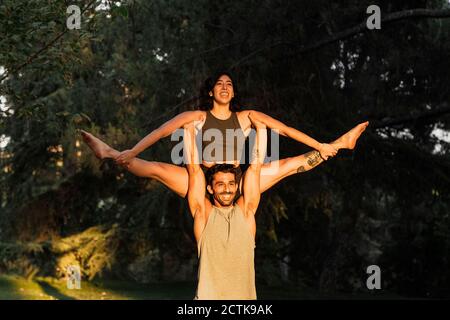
x: 15, y: 287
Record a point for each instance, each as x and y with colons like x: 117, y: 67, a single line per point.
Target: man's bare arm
x: 197, y: 185
x: 251, y: 190
x: 199, y: 205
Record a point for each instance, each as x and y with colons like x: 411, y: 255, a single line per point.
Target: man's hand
x: 124, y: 158
x: 326, y: 151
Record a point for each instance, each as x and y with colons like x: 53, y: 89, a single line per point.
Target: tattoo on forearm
x: 313, y: 159
x: 301, y: 169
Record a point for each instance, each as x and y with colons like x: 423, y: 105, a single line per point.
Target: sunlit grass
x: 19, y: 288
x: 14, y: 287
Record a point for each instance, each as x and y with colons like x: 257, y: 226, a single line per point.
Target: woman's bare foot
x: 349, y: 139
x: 101, y: 149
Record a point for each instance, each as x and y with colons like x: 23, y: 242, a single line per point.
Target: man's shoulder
x: 239, y: 204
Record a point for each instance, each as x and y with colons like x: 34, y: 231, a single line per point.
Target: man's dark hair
x: 206, y: 101
x: 225, y: 168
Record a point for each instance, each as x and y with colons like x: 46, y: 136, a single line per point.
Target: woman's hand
x: 326, y: 151
x: 125, y: 157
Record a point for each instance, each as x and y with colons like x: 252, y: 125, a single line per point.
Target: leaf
x: 85, y: 116
x: 62, y: 114
x: 121, y: 11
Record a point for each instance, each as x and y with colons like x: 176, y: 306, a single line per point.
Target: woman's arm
x: 326, y: 150
x: 164, y: 130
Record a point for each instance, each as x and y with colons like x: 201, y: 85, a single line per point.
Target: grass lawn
x: 15, y: 287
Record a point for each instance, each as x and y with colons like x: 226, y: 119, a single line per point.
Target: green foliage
x: 93, y: 250
x: 20, y: 258
x: 130, y: 68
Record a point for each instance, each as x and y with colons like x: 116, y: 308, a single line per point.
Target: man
x: 224, y: 228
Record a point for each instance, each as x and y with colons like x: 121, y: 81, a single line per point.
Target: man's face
x: 223, y: 188
x: 223, y: 90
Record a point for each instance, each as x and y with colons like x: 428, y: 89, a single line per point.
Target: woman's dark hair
x: 206, y: 101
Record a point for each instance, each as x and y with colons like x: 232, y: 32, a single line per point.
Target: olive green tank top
x: 226, y: 257
x: 222, y: 140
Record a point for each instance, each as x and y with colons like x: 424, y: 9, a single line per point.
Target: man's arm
x: 251, y: 190
x: 199, y: 205
x: 197, y: 185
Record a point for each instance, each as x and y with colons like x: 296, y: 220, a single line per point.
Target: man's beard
x: 225, y: 203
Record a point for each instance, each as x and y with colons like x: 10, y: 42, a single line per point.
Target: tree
x: 312, y: 65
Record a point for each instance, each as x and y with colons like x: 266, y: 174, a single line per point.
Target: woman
x: 222, y: 110
x: 219, y: 100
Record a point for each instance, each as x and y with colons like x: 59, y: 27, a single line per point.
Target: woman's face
x: 223, y: 90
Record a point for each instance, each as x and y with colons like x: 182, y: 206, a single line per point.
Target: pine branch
x: 361, y: 28
x: 44, y: 48
x: 427, y: 115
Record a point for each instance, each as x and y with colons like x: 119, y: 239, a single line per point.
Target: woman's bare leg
x: 172, y: 176
x: 275, y: 171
